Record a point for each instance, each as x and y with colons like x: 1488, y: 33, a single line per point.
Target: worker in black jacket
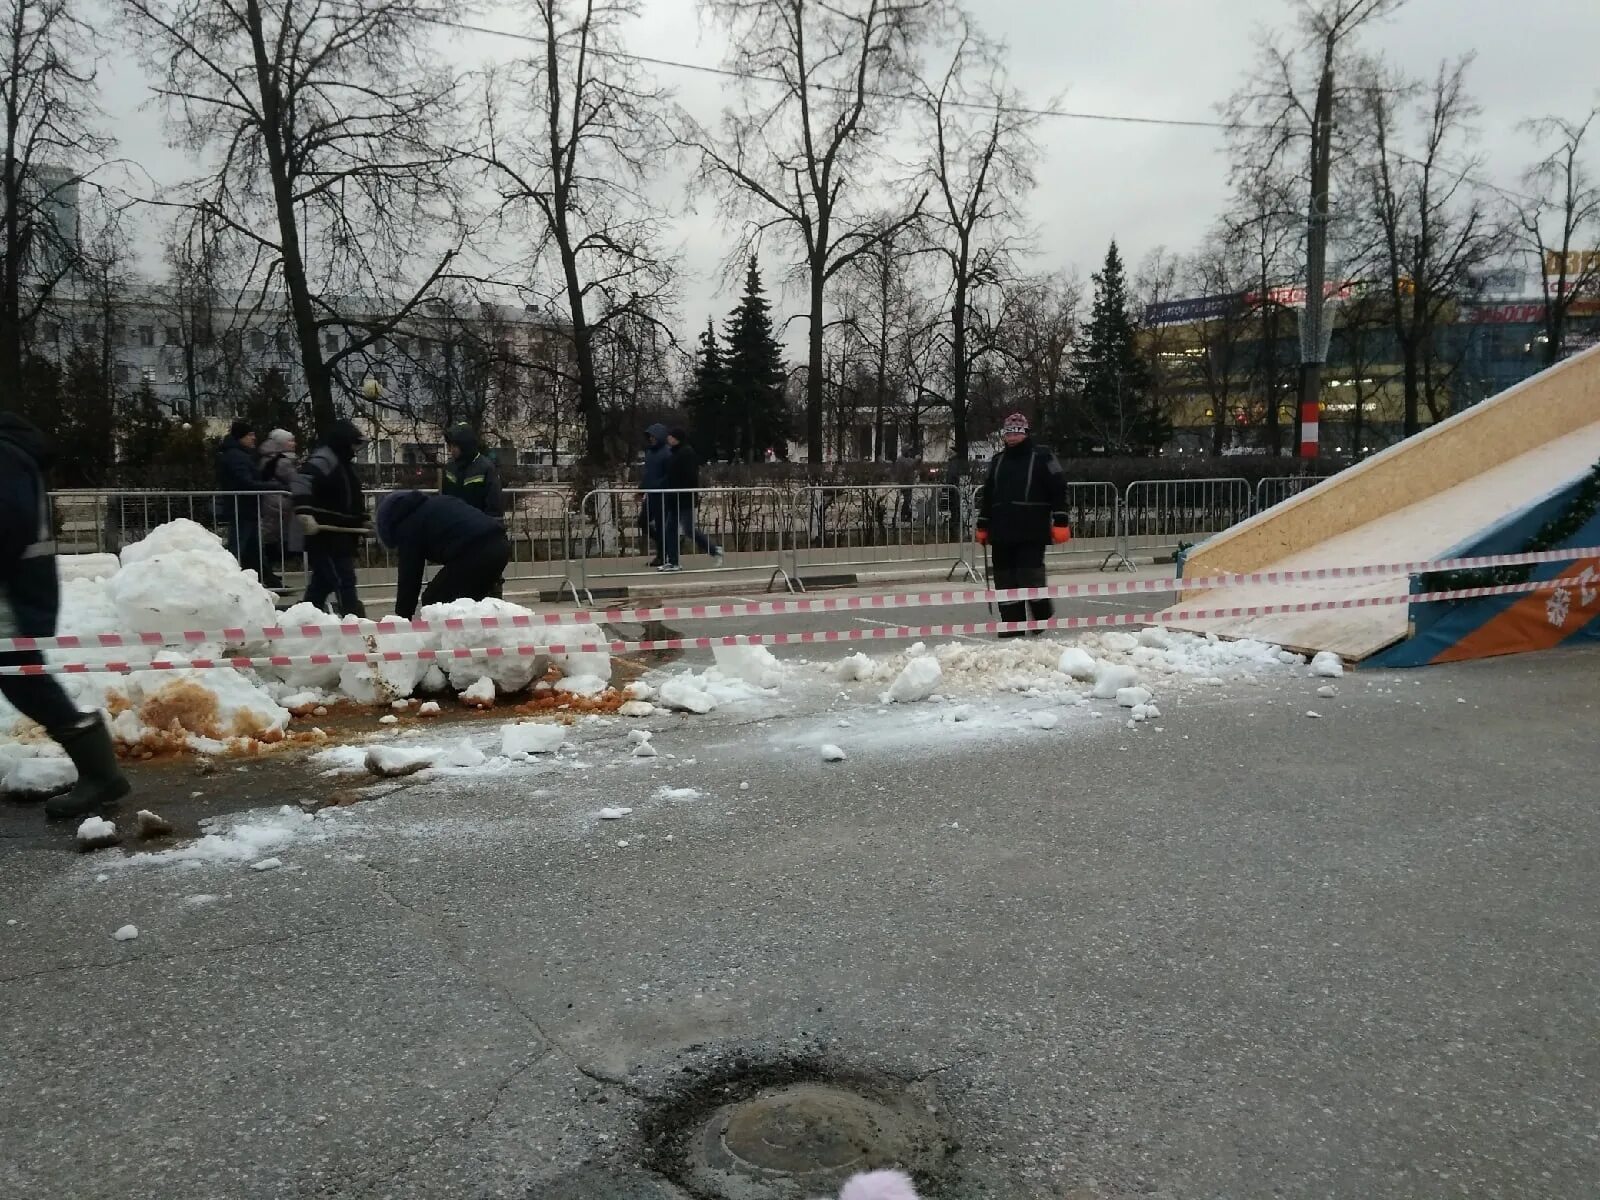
x: 30, y: 595
x: 333, y: 515
x: 470, y: 475
x: 1022, y: 509
x: 470, y: 546
x: 239, y: 478
x: 682, y: 482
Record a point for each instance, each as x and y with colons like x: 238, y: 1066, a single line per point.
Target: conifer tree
x: 755, y: 377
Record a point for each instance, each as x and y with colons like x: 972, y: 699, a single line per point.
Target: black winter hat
x: 239, y: 429
x: 342, y: 437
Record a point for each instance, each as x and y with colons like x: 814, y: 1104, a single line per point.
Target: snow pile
x: 244, y: 838
x: 1327, y: 665
x: 703, y: 693
x: 211, y: 592
x: 919, y: 680
x: 35, y: 778
x: 127, y: 933
x: 1077, y: 663
x: 855, y: 667
x: 1110, y: 680
x: 832, y: 753
x: 86, y: 566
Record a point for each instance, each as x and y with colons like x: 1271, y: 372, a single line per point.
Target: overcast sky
x: 1146, y: 186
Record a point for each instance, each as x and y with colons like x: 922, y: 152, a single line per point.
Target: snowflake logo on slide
x: 1558, y: 606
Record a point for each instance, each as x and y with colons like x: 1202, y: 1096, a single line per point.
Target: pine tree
x: 145, y: 428
x: 268, y: 407
x: 707, y: 398
x: 88, y: 420
x: 756, y: 410
x: 1117, y: 408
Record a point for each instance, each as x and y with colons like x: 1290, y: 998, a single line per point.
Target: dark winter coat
x: 277, y: 508
x: 656, y: 455
x: 30, y: 594
x: 421, y: 529
x: 683, y: 468
x: 472, y: 477
x: 328, y: 489
x: 238, y: 470
x: 1023, y: 494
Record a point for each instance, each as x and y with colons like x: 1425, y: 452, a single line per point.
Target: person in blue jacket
x: 470, y: 546
x: 30, y: 597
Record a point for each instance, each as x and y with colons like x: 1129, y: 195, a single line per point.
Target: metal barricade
x: 1160, y: 516
x: 539, y: 524
x: 1278, y: 488
x: 258, y: 527
x: 888, y: 525
x: 1093, y: 512
x: 624, y: 533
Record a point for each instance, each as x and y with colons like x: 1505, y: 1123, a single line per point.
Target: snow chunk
x: 1077, y: 663
x: 531, y: 738
x: 1313, y: 714
x: 755, y: 665
x: 682, y: 794
x: 636, y: 708
x: 480, y: 694
x: 393, y: 762
x: 430, y: 708
x: 683, y: 692
x: 90, y: 567
x: 433, y: 680
x: 962, y: 712
x: 639, y: 690
x: 127, y: 933
x: 463, y: 755
x: 920, y: 679
x: 855, y: 667
x: 581, y: 685
x: 388, y: 719
x: 644, y: 750
x: 1109, y: 680
x: 35, y: 778
x: 1133, y: 697
x: 1155, y: 637
x: 1145, y: 712
x: 96, y: 832
x: 511, y: 672
x: 1328, y: 665
x: 832, y: 753
x: 639, y: 735
x: 613, y: 814
x: 1327, y: 691
x: 267, y: 864
x: 1043, y: 720
x: 1119, y: 643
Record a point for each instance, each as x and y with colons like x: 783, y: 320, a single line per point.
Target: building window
x: 91, y: 332
x: 330, y: 342
x: 52, y: 331
x: 174, y: 335
x: 280, y: 341
x: 258, y: 340
x: 147, y: 335
x: 148, y: 375
x: 403, y: 345
x: 122, y: 372
x: 175, y: 373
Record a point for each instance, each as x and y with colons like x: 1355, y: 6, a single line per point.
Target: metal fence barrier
x: 1159, y: 516
x: 887, y: 525
x: 1278, y: 488
x: 623, y: 533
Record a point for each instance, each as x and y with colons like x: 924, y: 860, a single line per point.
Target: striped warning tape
x: 767, y: 608
x: 831, y: 636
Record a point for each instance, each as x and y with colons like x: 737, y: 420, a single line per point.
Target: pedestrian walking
x: 332, y: 514
x: 30, y: 598
x: 651, y: 480
x: 280, y: 532
x: 238, y: 473
x: 470, y: 547
x: 470, y: 475
x: 678, y: 502
x: 1022, y: 510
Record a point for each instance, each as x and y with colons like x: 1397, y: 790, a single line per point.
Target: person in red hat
x: 1022, y: 510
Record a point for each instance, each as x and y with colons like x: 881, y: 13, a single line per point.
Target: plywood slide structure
x: 1415, y: 500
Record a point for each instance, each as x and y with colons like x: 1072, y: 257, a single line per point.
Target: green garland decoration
x: 1552, y: 534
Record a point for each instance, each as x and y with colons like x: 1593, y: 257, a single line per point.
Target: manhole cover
x: 802, y: 1129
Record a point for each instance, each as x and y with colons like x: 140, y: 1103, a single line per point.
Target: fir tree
x: 268, y: 407
x: 88, y: 420
x: 755, y: 377
x: 145, y: 428
x: 1117, y: 409
x: 707, y: 397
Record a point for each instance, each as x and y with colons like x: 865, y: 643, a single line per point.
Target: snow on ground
x: 242, y: 838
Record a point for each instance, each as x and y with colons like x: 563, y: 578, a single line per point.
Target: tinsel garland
x: 1552, y: 534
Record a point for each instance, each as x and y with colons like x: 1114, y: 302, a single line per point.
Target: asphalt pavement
x: 1256, y: 953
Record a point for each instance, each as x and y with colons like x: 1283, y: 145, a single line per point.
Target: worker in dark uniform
x: 1022, y: 511
x: 471, y: 475
x: 470, y: 546
x: 30, y: 597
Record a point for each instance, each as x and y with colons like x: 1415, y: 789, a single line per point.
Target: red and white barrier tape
x: 875, y: 634
x: 768, y: 608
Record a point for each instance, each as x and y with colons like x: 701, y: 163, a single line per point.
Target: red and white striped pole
x: 1308, y: 428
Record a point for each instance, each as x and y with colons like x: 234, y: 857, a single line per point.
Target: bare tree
x: 324, y: 123
x: 1038, y: 327
x: 874, y: 298
x: 797, y: 154
x: 1560, y: 224
x: 47, y: 93
x: 1299, y: 98
x: 1262, y: 222
x: 1222, y: 272
x: 978, y: 168
x: 1430, y: 225
x: 572, y: 136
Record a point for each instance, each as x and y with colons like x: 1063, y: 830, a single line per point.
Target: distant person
x: 1022, y: 509
x: 280, y: 532
x: 470, y: 475
x: 470, y: 547
x: 678, y: 503
x: 651, y: 480
x: 238, y: 473
x: 30, y: 598
x: 333, y: 516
